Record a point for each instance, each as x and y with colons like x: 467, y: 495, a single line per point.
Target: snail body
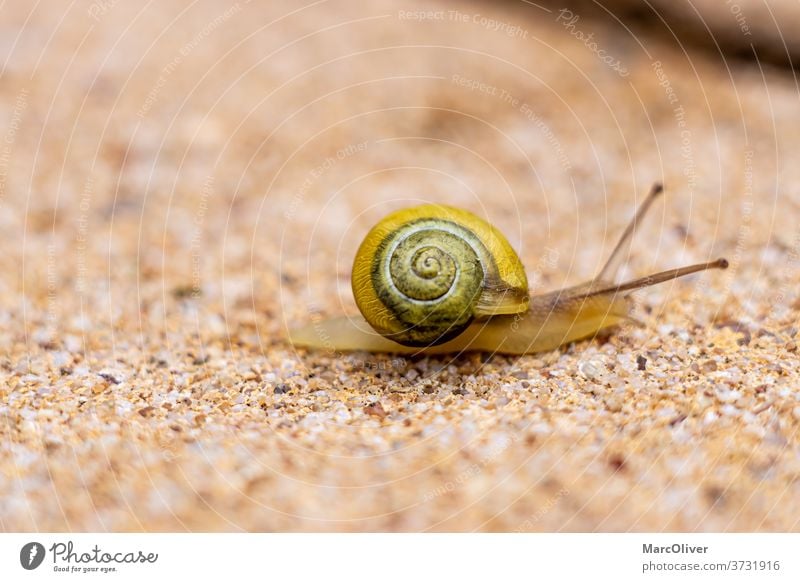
x: 437, y: 279
x: 552, y: 320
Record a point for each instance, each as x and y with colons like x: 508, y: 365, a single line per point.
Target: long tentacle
x: 657, y: 278
x: 615, y: 261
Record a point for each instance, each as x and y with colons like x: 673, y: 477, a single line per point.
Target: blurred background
x: 179, y: 181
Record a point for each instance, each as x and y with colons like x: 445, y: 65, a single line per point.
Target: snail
x: 437, y: 279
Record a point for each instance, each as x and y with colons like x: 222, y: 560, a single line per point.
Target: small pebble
x: 375, y: 409
x: 589, y: 369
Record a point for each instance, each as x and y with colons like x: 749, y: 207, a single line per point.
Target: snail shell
x: 423, y: 274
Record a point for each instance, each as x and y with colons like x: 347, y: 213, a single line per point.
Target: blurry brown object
x: 765, y: 29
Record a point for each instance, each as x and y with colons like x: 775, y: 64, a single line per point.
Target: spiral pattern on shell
x: 429, y: 274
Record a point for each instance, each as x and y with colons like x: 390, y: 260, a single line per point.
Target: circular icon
x: 31, y: 555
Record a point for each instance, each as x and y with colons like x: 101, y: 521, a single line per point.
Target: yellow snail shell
x: 423, y: 274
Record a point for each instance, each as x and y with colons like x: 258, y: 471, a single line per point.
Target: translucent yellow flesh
x: 344, y: 334
x: 553, y: 320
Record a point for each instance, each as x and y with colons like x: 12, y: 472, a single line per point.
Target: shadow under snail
x: 436, y: 279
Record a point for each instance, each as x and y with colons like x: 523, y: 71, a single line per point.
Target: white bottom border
x: 355, y: 557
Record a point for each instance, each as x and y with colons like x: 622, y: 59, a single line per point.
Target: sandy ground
x: 178, y: 182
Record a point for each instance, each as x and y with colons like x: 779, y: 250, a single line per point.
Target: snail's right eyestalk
x: 661, y: 277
